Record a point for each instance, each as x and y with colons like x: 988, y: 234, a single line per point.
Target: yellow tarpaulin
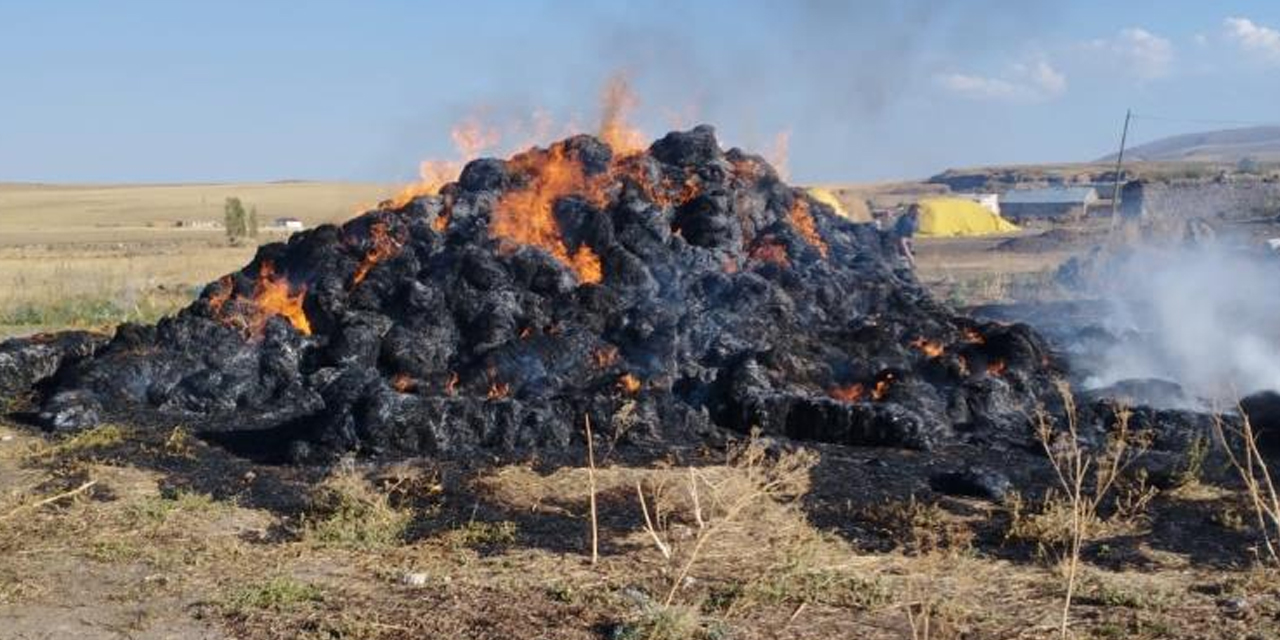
x: 946, y: 217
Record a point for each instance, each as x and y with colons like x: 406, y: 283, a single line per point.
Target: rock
x: 973, y: 482
x: 1235, y: 606
x: 414, y: 579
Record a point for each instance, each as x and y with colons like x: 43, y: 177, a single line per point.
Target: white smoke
x: 1206, y: 317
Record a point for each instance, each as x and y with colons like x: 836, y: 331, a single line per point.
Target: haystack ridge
x: 670, y: 293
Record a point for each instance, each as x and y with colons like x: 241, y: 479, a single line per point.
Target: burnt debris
x: 671, y: 294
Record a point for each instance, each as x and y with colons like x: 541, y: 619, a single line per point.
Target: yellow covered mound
x: 946, y: 217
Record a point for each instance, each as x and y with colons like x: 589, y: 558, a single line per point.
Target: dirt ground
x: 129, y: 534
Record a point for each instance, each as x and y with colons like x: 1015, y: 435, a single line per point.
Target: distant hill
x: 1261, y: 144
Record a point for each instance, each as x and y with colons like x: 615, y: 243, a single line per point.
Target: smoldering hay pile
x: 670, y: 293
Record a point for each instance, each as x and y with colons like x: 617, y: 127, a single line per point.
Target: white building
x: 288, y: 224
x: 988, y: 201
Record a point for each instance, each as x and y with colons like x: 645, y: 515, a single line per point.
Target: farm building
x: 988, y: 201
x: 1048, y: 203
x: 288, y: 224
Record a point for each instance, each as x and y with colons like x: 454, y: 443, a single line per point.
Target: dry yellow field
x: 40, y: 213
x: 91, y: 255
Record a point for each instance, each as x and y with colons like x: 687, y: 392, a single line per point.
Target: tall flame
x: 778, y: 154
x: 470, y: 138
x: 802, y: 219
x: 526, y: 216
x: 617, y: 103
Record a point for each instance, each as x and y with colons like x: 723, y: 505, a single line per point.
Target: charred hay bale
x: 674, y: 294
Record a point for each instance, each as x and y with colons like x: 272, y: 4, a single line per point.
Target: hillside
x: 1261, y: 144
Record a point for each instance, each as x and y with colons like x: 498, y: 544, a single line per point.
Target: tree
x: 234, y: 219
x: 251, y: 226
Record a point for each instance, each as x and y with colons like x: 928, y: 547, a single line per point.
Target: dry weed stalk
x: 1253, y: 471
x: 719, y: 503
x: 52, y: 499
x: 591, y: 484
x: 1086, y: 477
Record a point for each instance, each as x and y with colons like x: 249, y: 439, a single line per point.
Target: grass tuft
x: 277, y: 594
x: 348, y: 511
x: 99, y: 437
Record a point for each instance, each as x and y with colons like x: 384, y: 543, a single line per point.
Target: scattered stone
x: 1235, y: 606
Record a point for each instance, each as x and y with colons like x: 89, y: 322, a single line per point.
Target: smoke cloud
x: 1204, y: 317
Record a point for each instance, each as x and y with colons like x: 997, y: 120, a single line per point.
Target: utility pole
x: 1115, y: 193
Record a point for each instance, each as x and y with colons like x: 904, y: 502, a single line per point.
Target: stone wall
x: 1235, y: 198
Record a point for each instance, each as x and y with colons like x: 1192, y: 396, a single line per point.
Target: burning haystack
x: 668, y: 293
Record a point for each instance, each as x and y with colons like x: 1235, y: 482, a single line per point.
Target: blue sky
x: 134, y: 91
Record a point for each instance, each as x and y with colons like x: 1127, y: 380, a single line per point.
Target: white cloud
x: 1137, y: 51
x: 1034, y: 82
x: 1255, y: 39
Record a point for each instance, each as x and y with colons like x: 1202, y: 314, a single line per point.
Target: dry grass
x: 40, y: 213
x: 94, y: 256
x: 1086, y: 478
x: 743, y: 557
x: 348, y: 511
x: 1250, y: 466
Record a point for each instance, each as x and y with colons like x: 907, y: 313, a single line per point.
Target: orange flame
x: 432, y: 174
x: 629, y: 384
x: 730, y: 265
x: 996, y: 368
x: 802, y: 220
x: 746, y: 168
x: 930, y: 348
x: 272, y: 297
x: 384, y: 246
x: 617, y: 103
x: 772, y: 251
x: 442, y: 220
x: 525, y: 216
x: 972, y: 336
x: 470, y: 138
x: 403, y: 383
x: 848, y: 393
x: 605, y: 356
x: 498, y: 390
x: 451, y: 386
x: 882, y: 387
x: 219, y: 297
